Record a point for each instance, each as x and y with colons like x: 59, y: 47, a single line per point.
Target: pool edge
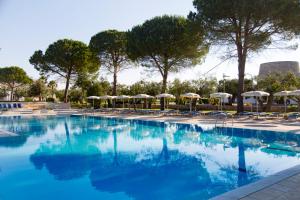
x: 262, y: 184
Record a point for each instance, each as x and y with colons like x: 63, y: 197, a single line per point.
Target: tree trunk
x: 269, y: 103
x: 66, y: 89
x: 241, y: 69
x: 242, y: 173
x: 114, y: 92
x: 12, y: 94
x: 52, y: 91
x: 163, y: 90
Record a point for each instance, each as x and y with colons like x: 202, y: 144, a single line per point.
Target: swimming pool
x: 75, y: 157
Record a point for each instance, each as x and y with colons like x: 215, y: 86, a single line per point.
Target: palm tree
x: 52, y: 85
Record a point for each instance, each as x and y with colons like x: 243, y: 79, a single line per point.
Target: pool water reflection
x: 92, y: 157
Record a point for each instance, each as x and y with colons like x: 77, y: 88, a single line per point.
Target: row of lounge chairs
x: 272, y: 115
x: 8, y: 106
x: 213, y: 114
x: 159, y: 112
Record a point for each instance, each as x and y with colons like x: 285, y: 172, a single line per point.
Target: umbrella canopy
x: 143, y: 96
x: 191, y: 95
x: 295, y: 93
x: 255, y: 94
x: 107, y: 97
x: 93, y: 97
x: 165, y: 95
x: 220, y: 95
x: 282, y: 93
x: 123, y: 97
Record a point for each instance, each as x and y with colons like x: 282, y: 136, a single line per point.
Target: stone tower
x: 281, y: 67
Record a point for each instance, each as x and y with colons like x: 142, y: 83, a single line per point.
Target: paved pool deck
x: 284, y: 185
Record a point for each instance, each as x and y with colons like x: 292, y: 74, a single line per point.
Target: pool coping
x: 284, y: 128
x: 257, y: 186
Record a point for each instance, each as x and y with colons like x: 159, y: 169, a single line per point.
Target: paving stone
x: 281, y: 188
x: 248, y: 198
x: 264, y: 195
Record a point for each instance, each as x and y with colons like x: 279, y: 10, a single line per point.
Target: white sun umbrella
x: 283, y: 94
x: 93, y: 98
x: 123, y: 97
x: 107, y: 97
x: 143, y: 96
x: 295, y: 93
x: 221, y: 95
x: 165, y: 96
x: 256, y: 94
x: 191, y: 96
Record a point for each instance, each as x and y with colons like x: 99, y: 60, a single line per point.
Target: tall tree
x: 84, y: 82
x: 12, y: 78
x: 178, y: 88
x: 110, y: 46
x: 52, y: 85
x: 166, y: 44
x: 65, y: 58
x: 38, y: 88
x: 205, y: 86
x: 99, y: 88
x: 245, y: 27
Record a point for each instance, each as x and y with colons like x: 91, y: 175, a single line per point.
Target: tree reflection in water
x: 24, y: 127
x: 165, y: 170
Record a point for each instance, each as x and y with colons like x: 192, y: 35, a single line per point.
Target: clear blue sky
x: 29, y: 25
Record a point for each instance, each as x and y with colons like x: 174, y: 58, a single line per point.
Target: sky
x: 29, y: 25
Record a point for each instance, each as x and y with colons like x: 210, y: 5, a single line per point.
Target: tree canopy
x: 65, y: 58
x: 245, y: 27
x: 12, y: 78
x: 110, y: 46
x: 52, y: 85
x: 38, y: 89
x: 166, y: 44
x: 277, y: 82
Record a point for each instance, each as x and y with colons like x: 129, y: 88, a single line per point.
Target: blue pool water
x: 100, y: 158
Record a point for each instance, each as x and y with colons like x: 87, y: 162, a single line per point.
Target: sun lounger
x: 27, y: 111
x: 245, y: 114
x: 44, y: 111
x: 293, y: 116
